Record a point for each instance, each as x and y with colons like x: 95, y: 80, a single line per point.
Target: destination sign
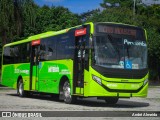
x: 116, y: 30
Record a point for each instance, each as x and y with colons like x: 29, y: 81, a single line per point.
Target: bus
x: 104, y: 60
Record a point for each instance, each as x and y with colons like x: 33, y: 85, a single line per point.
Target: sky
x: 80, y: 6
x: 148, y: 2
x: 75, y: 6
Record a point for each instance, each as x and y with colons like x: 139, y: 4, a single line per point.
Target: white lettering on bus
x: 53, y: 69
x: 64, y: 71
x: 141, y: 43
x: 21, y: 71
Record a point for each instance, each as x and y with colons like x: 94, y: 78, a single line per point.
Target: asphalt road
x: 9, y: 101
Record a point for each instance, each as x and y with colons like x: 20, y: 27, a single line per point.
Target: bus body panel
x: 51, y: 72
x: 46, y: 76
x: 10, y: 74
x: 136, y: 86
x: 48, y: 79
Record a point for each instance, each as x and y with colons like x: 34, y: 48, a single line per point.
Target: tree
x: 10, y: 20
x: 6, y: 19
x: 22, y: 18
x: 55, y: 18
x: 29, y: 13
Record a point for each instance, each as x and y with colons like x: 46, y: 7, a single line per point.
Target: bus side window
x: 47, y: 50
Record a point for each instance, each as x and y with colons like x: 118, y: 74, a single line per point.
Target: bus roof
x: 53, y: 33
x: 44, y: 35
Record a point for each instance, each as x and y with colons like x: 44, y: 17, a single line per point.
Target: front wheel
x: 68, y: 98
x: 111, y: 100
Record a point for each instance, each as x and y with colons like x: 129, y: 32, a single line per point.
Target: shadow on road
x: 91, y: 102
x: 121, y: 104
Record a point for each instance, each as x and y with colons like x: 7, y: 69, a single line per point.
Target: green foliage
x: 112, y: 15
x: 22, y: 18
x: 55, y: 18
x: 41, y: 19
x: 6, y: 19
x: 29, y: 18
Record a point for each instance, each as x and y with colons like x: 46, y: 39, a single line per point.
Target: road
x: 9, y: 101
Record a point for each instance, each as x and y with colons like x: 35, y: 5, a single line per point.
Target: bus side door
x: 34, y: 66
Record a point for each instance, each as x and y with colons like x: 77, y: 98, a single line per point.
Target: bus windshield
x: 120, y: 51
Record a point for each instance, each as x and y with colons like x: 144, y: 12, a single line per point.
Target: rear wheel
x: 68, y: 98
x: 20, y: 89
x: 111, y: 100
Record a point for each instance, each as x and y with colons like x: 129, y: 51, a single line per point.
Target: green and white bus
x: 103, y: 60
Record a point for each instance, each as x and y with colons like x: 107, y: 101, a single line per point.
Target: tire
x: 68, y: 98
x: 111, y: 100
x: 20, y: 89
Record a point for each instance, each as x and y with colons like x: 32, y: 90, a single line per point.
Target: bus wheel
x: 111, y: 100
x: 68, y: 98
x: 20, y: 89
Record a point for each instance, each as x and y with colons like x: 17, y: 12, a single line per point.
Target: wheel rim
x: 67, y: 91
x: 20, y: 88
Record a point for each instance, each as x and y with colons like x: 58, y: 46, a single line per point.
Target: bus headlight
x: 145, y: 82
x: 97, y: 79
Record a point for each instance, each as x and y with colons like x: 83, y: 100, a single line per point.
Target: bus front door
x: 79, y: 64
x: 34, y: 68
